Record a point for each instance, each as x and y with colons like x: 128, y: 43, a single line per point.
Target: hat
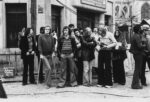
x: 145, y: 27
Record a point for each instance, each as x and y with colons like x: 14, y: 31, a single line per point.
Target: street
x: 39, y: 93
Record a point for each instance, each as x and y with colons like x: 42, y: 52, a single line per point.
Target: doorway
x: 16, y: 19
x: 56, y: 19
x: 85, y: 19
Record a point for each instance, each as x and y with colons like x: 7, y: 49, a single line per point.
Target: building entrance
x: 85, y: 19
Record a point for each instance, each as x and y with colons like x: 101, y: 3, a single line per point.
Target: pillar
x: 33, y: 15
x: 1, y: 25
x: 99, y: 20
x: 43, y: 14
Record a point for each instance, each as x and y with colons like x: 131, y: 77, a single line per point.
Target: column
x: 33, y: 15
x: 47, y: 12
x: 68, y: 14
x: 99, y: 20
x: 1, y: 25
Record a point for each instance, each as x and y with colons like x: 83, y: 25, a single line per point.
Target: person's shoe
x: 33, y: 82
x: 47, y: 87
x: 68, y: 84
x: 24, y: 84
x: 121, y: 83
x: 60, y: 86
x: 87, y: 85
x: 144, y: 84
x: 100, y: 85
x: 108, y: 86
x: 41, y: 82
x: 138, y: 87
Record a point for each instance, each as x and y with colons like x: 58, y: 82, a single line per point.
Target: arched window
x: 145, y: 11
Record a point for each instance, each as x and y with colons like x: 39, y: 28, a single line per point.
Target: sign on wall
x: 122, y: 10
x: 97, y: 3
x: 40, y: 9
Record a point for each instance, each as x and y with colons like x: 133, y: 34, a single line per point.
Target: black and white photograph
x: 74, y: 50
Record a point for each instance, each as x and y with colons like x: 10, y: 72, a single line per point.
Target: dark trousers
x: 28, y: 62
x: 79, y: 64
x: 41, y: 76
x: 137, y: 71
x: 145, y: 59
x: 104, y: 68
x: 118, y: 71
x: 68, y: 72
x: 2, y: 91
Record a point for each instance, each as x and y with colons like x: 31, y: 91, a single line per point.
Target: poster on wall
x: 40, y: 9
x: 122, y: 10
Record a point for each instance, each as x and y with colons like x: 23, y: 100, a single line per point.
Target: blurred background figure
x: 78, y: 56
x: 71, y: 30
x: 96, y: 36
x: 20, y: 35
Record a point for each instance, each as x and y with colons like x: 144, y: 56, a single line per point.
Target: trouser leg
x: 85, y: 72
x: 137, y: 71
x: 25, y: 70
x: 31, y: 68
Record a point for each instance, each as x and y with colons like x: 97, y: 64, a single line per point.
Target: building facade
x: 81, y: 13
x: 16, y: 14
x: 141, y: 10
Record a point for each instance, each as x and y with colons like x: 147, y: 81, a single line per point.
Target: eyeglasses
x: 47, y: 29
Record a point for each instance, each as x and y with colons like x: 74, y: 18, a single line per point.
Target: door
x: 56, y: 19
x: 16, y: 19
x: 85, y: 19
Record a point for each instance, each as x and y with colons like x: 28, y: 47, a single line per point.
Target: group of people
x: 79, y: 51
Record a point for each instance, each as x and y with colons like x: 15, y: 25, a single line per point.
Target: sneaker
x: 108, y: 86
x: 138, y: 87
x: 99, y: 85
x: 60, y: 86
x: 47, y: 87
x: 121, y: 83
x: 144, y: 84
x: 33, y: 83
x: 24, y: 84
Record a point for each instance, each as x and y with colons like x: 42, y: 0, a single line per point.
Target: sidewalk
x: 17, y: 91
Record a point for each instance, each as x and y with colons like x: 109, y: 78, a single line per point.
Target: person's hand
x: 53, y: 54
x: 105, y: 47
x: 71, y: 55
x: 32, y: 53
x: 62, y: 55
x: 79, y: 45
x: 27, y: 53
x: 41, y: 56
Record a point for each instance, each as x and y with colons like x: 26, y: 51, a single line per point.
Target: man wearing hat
x: 146, y: 33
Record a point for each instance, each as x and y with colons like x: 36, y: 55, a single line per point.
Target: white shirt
x: 108, y: 38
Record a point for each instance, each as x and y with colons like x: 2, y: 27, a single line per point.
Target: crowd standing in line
x: 79, y: 51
